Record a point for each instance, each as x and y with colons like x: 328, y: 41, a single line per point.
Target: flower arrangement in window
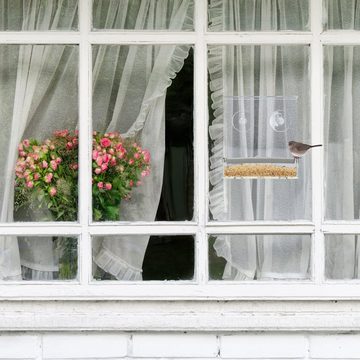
x: 46, y: 182
x: 47, y: 175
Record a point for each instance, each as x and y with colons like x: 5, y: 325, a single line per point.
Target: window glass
x: 40, y: 15
x: 342, y: 259
x: 143, y: 257
x: 259, y: 99
x: 258, y: 15
x: 39, y: 258
x: 341, y: 15
x: 38, y: 136
x: 342, y: 129
x: 143, y: 133
x: 259, y: 257
x: 173, y: 15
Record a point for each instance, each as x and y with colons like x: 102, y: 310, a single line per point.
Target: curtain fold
x: 262, y: 71
x: 146, y: 71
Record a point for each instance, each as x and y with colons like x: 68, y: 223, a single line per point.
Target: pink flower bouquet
x: 47, y: 175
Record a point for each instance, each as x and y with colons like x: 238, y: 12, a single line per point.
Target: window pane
x: 143, y: 123
x: 258, y: 15
x: 38, y: 258
x: 143, y: 257
x: 342, y: 15
x: 38, y: 139
x: 342, y: 256
x: 342, y: 129
x: 259, y: 257
x: 259, y: 102
x: 38, y: 15
x: 173, y: 15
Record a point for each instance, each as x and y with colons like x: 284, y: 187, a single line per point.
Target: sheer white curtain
x: 263, y: 71
x: 146, y: 72
x: 341, y: 137
x: 34, y: 74
x: 129, y: 96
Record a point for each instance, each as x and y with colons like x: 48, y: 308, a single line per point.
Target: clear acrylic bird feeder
x: 257, y: 130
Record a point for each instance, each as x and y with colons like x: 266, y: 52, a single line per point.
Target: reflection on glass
x: 342, y: 256
x: 258, y: 15
x: 342, y: 128
x: 142, y: 117
x: 341, y: 15
x: 143, y: 257
x: 270, y: 87
x: 259, y: 257
x: 37, y: 138
x: 40, y: 15
x: 173, y: 15
x: 38, y: 258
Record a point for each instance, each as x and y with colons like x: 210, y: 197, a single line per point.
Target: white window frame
x: 199, y: 289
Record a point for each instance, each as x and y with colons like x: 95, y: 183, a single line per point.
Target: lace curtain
x: 35, y: 102
x: 342, y: 145
x: 264, y: 71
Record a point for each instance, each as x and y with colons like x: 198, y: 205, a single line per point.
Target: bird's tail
x: 315, y: 145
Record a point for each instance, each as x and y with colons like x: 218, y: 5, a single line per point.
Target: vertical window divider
x: 85, y: 134
x: 318, y: 258
x: 200, y: 142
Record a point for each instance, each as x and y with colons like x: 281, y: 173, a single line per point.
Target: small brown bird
x: 298, y: 149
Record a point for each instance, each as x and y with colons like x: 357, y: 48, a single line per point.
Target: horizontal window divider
x: 40, y: 229
x: 39, y: 37
x: 258, y: 38
x: 343, y: 37
x: 137, y: 229
x: 270, y: 230
x: 272, y: 290
x: 260, y: 228
x: 142, y: 37
x: 350, y: 228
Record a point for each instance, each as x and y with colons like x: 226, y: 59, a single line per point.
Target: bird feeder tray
x: 256, y: 131
x: 260, y: 168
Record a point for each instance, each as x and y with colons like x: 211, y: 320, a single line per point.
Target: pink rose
x: 131, y: 161
x: 69, y: 145
x: 61, y: 133
x: 26, y: 142
x: 105, y: 142
x: 146, y: 156
x: 53, y: 165
x: 104, y: 167
x: 138, y: 183
x: 106, y: 158
x: 44, y: 164
x: 30, y: 184
x: 95, y: 154
x: 58, y: 160
x: 136, y: 155
x: 52, y: 191
x: 131, y: 183
x: 100, y: 185
x: 36, y: 176
x: 97, y: 171
x: 108, y: 186
x: 48, y: 178
x: 99, y: 160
